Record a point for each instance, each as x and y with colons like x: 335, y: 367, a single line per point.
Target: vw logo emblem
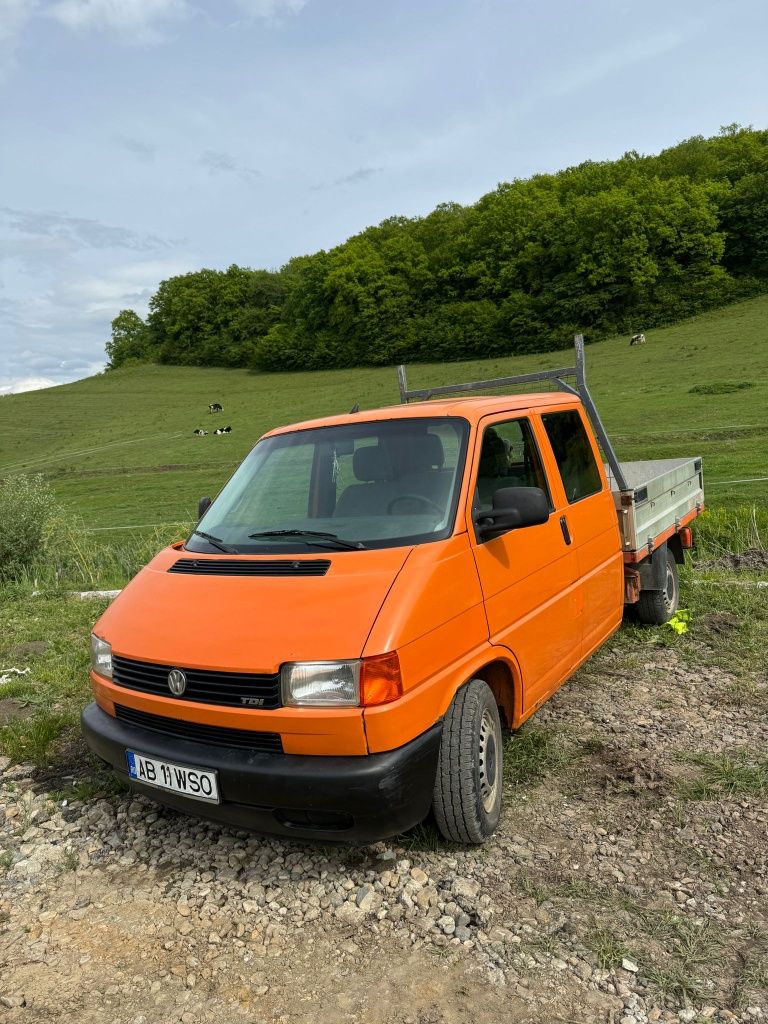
x: 177, y: 682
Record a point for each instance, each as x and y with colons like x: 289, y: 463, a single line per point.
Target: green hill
x: 119, y: 448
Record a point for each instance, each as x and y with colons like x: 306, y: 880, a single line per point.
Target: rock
x: 12, y: 1001
x: 629, y: 965
x: 466, y: 889
x: 366, y: 898
x: 350, y: 913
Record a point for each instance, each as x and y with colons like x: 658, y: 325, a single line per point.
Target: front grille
x: 269, y: 742
x: 265, y: 567
x: 232, y: 689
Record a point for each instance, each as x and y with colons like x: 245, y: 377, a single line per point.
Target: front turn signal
x: 380, y: 680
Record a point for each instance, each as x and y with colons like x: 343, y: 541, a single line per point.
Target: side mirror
x: 513, y: 509
x: 202, y: 507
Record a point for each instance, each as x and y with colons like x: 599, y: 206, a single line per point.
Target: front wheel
x: 655, y: 607
x: 468, y: 785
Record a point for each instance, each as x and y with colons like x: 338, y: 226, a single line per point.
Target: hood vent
x: 264, y: 567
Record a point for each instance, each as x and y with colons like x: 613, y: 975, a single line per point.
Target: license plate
x: 196, y: 783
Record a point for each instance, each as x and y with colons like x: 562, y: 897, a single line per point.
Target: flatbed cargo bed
x: 661, y: 496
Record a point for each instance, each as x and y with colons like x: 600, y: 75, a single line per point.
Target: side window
x: 573, y: 453
x: 508, y: 458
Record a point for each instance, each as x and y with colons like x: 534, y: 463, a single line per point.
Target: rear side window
x: 508, y: 458
x: 573, y: 452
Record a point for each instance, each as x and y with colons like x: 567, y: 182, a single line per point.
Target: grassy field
x: 119, y: 447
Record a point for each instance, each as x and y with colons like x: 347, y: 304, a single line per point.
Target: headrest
x: 494, y: 460
x: 424, y: 451
x: 371, y: 463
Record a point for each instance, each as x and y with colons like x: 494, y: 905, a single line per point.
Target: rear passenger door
x: 592, y: 523
x: 528, y: 576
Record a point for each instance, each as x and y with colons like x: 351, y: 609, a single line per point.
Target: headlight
x: 321, y: 684
x: 101, y: 656
x: 364, y: 682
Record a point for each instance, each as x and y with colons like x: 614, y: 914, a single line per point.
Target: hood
x: 250, y: 623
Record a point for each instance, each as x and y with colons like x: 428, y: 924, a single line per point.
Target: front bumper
x: 306, y: 796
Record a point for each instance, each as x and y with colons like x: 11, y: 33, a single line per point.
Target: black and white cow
x: 637, y: 339
x: 200, y: 433
x: 214, y: 407
x: 223, y: 430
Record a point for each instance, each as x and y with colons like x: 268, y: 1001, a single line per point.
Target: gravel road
x: 608, y: 894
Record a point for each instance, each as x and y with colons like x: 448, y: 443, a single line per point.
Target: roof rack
x: 580, y: 390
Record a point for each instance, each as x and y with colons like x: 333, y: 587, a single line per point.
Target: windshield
x: 369, y: 484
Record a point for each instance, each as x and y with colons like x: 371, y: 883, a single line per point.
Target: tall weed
x: 29, y: 514
x: 80, y: 560
x: 720, y: 531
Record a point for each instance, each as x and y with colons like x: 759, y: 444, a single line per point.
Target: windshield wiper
x: 326, y: 539
x: 216, y: 542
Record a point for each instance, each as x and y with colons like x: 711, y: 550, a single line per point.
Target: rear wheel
x: 655, y: 607
x: 468, y: 785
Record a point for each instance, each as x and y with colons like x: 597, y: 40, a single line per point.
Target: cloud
x: 222, y: 163
x: 54, y: 231
x: 59, y: 332
x: 21, y: 384
x: 141, y: 150
x: 590, y: 69
x: 9, y: 312
x: 14, y: 15
x: 134, y: 21
x: 354, y: 178
x: 100, y: 297
x: 270, y: 9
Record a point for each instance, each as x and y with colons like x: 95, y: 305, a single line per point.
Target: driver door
x: 529, y: 575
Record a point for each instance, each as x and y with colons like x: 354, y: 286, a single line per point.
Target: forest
x: 603, y: 248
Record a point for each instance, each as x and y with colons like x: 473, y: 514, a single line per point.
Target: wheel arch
x: 675, y: 545
x: 503, y: 677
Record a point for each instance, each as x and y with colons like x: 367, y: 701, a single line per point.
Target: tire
x: 656, y: 607
x: 468, y: 785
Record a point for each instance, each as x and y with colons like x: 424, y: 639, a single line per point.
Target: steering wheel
x: 433, y: 506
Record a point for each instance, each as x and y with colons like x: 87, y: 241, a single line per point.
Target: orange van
x: 333, y: 651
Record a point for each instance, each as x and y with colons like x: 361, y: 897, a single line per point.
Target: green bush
x: 29, y: 514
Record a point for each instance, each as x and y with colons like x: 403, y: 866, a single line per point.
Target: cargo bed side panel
x: 662, y: 492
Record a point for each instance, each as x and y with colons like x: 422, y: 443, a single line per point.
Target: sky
x: 140, y: 139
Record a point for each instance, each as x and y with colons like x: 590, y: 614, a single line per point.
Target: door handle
x: 564, y: 528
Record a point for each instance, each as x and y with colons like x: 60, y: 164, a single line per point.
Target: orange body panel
x: 528, y: 601
x: 596, y: 540
x: 238, y: 624
x: 531, y: 594
x: 434, y: 617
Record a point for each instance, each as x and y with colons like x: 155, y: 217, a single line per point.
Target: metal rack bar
x: 581, y: 391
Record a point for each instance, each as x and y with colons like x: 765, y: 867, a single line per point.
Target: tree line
x: 604, y: 247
